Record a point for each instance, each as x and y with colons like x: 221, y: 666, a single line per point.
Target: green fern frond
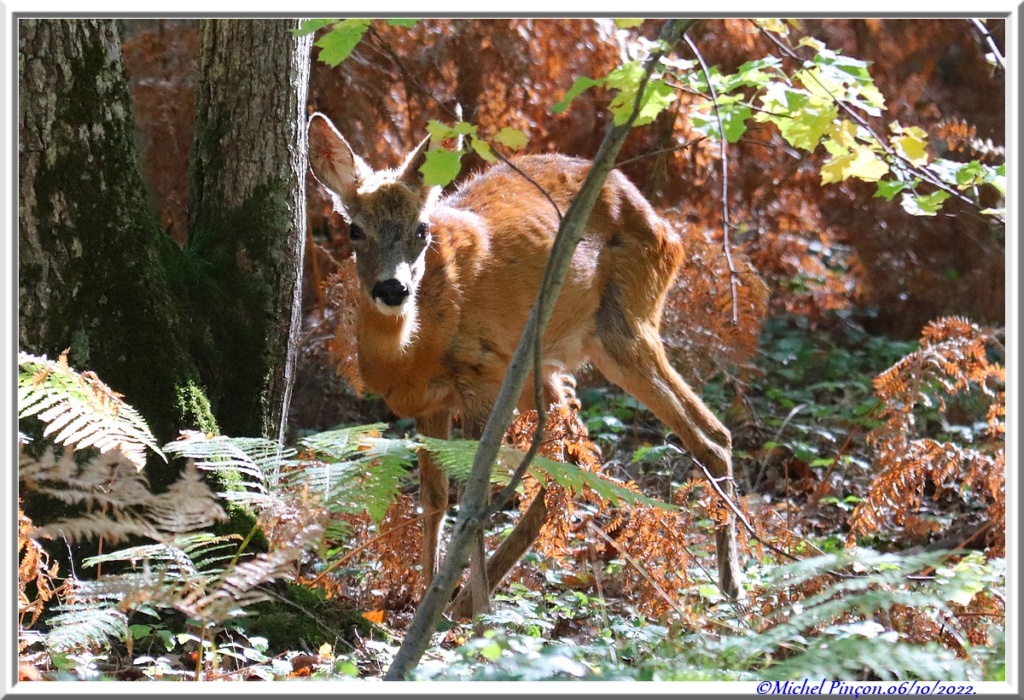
x: 572, y: 477
x: 838, y: 628
x: 455, y: 457
x: 258, y: 459
x: 79, y: 410
x: 848, y: 658
x: 351, y: 469
x: 342, y: 443
x: 85, y: 625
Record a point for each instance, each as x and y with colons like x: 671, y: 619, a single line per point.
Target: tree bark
x: 92, y: 256
x: 247, y: 214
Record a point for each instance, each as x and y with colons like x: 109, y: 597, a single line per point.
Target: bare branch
x: 734, y: 278
x: 986, y: 35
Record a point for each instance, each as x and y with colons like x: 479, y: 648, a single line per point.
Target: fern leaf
x: 85, y: 625
x: 455, y: 457
x: 80, y: 409
x: 258, y: 459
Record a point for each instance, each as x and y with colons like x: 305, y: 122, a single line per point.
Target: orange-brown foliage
x: 952, y: 361
x: 37, y: 576
x: 162, y: 68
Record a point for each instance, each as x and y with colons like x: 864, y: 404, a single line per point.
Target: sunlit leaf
x: 924, y: 205
x: 773, y: 25
x: 407, y: 23
x: 889, y: 188
x: 579, y: 86
x: 511, y: 138
x: 911, y: 142
x: 441, y: 167
x: 311, y: 25
x: 811, y: 42
x: 862, y: 163
x: 628, y: 23
x: 483, y: 149
x: 338, y: 44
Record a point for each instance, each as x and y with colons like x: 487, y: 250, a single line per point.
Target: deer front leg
x: 433, y: 495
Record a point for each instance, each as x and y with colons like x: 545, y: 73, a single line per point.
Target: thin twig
x: 987, y: 36
x: 660, y: 151
x: 642, y: 571
x: 739, y: 513
x: 390, y: 53
x: 734, y: 278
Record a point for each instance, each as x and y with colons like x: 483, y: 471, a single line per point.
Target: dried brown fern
x: 697, y: 323
x: 660, y: 544
x: 38, y: 581
x: 341, y: 296
x: 952, y: 362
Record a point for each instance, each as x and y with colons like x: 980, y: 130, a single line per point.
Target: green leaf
x: 970, y: 174
x: 802, y: 118
x: 440, y: 131
x: 579, y: 86
x: 511, y: 138
x: 889, y: 188
x: 924, y: 205
x: 491, y: 651
x: 407, y: 23
x: 338, y: 44
x: 311, y: 25
x: 167, y: 637
x: 756, y: 73
x: 441, y: 167
x: 658, y: 95
x: 734, y: 121
x: 628, y: 23
x: 483, y: 149
x: 347, y: 668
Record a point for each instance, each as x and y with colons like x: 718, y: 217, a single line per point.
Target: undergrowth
x: 621, y: 583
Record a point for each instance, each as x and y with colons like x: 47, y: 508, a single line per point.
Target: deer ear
x: 409, y: 173
x: 333, y: 162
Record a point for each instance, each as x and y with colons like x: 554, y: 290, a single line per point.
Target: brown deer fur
x: 448, y: 285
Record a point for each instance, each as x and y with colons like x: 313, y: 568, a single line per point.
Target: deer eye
x: 355, y: 232
x: 422, y: 230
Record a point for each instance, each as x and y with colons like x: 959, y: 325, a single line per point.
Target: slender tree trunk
x: 247, y: 214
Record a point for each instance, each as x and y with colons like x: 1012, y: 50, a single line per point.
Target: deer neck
x: 384, y: 335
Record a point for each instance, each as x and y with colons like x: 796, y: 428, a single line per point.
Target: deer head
x: 387, y: 212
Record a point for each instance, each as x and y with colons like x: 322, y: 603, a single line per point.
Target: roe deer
x: 447, y: 288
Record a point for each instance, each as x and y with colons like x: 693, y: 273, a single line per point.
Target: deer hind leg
x: 632, y: 356
x: 433, y: 495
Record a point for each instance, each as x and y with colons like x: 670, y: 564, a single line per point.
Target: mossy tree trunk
x: 92, y: 256
x: 247, y: 215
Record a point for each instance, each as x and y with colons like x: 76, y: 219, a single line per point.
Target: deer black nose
x: 391, y: 292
